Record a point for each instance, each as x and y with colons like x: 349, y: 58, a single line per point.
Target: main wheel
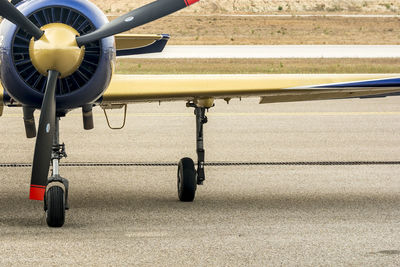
x: 187, y: 182
x: 55, y: 203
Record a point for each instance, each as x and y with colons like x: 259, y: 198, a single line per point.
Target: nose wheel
x: 55, y: 206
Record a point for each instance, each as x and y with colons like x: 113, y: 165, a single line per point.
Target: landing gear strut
x: 56, y: 197
x: 188, y: 176
x: 201, y: 119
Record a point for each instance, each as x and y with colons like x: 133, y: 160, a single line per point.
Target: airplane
x: 59, y: 55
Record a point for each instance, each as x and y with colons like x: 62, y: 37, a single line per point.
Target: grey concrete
x: 276, y: 51
x: 258, y: 215
x: 302, y: 15
x: 284, y: 15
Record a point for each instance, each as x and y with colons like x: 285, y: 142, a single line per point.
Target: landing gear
x: 188, y: 176
x: 56, y: 197
x: 201, y: 119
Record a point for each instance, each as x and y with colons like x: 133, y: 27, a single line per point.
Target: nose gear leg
x: 56, y: 196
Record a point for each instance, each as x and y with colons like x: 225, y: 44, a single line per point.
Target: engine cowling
x: 24, y: 83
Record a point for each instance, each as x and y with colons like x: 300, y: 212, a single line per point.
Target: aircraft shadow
x: 18, y: 211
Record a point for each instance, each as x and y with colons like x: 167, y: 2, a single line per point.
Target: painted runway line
x: 276, y: 51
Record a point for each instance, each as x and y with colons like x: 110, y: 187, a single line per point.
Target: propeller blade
x: 135, y: 18
x: 44, y: 140
x: 10, y: 12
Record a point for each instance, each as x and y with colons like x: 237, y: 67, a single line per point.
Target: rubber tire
x: 55, y: 213
x: 186, y: 180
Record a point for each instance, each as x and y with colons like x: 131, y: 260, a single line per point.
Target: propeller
x: 10, y: 12
x: 135, y: 18
x: 44, y: 140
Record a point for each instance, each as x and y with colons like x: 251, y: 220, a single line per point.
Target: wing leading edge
x: 271, y: 88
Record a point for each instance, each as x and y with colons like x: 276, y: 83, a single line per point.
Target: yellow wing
x: 271, y: 88
x: 134, y: 44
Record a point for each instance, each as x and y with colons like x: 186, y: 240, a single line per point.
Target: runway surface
x: 304, y: 215
x: 304, y: 15
x: 276, y: 51
x: 285, y: 15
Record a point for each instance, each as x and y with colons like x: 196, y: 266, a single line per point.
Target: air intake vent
x: 23, y: 62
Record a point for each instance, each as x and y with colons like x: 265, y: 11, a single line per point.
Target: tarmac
x: 275, y: 51
x: 324, y: 15
x: 338, y: 214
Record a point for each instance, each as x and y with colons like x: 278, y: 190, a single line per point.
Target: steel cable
x: 173, y: 164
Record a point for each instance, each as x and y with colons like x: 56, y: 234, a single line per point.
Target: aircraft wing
x: 270, y: 88
x: 135, y: 44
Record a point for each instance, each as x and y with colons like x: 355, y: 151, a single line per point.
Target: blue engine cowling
x: 21, y: 80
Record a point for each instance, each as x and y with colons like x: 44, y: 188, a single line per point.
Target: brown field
x: 266, y: 6
x: 220, y: 30
x: 217, y: 28
x: 273, y: 31
x: 253, y: 66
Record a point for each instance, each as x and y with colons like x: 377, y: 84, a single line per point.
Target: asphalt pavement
x: 275, y: 51
x: 338, y: 214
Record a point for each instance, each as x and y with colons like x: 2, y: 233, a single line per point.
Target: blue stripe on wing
x: 382, y: 83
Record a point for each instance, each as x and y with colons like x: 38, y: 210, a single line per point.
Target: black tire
x: 186, y: 182
x: 55, y: 202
